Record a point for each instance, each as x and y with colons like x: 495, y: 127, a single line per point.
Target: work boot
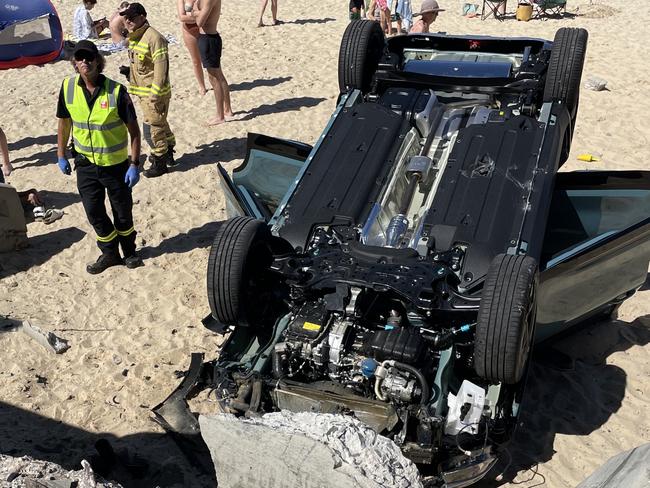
x: 158, y: 166
x: 171, y: 162
x: 133, y: 261
x: 104, y: 261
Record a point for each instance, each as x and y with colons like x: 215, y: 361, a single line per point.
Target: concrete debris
x: 48, y: 340
x: 311, y: 450
x: 629, y: 468
x: 595, y: 83
x: 26, y: 472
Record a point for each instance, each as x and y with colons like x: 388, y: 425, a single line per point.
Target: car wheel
x: 565, y: 68
x: 239, y: 256
x: 506, y: 319
x: 361, y: 48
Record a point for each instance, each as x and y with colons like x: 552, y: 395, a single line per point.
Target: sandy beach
x: 132, y: 331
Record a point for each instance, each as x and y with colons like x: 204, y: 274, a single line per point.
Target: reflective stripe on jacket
x: 149, y: 58
x: 99, y: 134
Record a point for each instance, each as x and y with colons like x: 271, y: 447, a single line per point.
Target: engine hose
x: 378, y: 393
x: 426, y: 393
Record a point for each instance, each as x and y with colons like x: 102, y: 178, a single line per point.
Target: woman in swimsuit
x: 190, y: 37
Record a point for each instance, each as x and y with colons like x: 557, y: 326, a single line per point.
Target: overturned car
x: 401, y: 268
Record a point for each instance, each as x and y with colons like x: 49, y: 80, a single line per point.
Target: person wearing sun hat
x: 428, y: 13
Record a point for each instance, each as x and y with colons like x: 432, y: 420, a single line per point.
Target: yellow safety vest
x: 99, y: 134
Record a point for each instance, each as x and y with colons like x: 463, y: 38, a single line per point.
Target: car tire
x: 506, y: 319
x: 565, y: 68
x: 362, y: 46
x: 240, y: 252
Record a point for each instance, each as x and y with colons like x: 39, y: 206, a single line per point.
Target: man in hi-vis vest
x: 101, y: 116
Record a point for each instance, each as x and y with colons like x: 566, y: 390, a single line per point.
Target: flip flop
x: 39, y: 213
x: 52, y: 215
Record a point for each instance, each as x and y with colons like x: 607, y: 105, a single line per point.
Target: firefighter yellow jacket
x: 149, y: 63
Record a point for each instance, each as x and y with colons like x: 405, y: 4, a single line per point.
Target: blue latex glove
x: 64, y: 166
x: 132, y: 176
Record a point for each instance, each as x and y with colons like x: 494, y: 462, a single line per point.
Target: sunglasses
x: 131, y: 18
x: 87, y: 57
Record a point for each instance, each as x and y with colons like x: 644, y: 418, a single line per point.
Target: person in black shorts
x: 356, y: 7
x: 207, y: 14
x: 210, y: 47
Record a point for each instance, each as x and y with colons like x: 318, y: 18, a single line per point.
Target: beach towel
x: 107, y: 46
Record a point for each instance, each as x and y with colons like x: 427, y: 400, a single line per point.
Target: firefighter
x: 100, y: 114
x: 149, y: 80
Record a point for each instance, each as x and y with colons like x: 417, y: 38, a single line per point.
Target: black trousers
x: 94, y: 182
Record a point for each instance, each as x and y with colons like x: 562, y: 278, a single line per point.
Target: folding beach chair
x: 495, y: 8
x: 549, y: 8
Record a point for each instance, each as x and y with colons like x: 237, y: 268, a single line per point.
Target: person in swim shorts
x: 207, y: 13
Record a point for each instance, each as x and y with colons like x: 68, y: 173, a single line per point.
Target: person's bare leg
x: 225, y: 92
x: 192, y: 46
x: 221, y: 96
x: 274, y: 11
x: 261, y: 22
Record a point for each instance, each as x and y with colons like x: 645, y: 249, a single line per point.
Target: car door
x: 596, y: 247
x: 258, y: 185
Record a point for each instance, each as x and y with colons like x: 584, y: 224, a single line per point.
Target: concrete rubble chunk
x: 48, y: 340
x: 26, y: 472
x: 311, y: 450
x: 630, y: 468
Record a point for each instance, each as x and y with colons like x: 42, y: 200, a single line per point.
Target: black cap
x: 133, y: 10
x: 86, y: 46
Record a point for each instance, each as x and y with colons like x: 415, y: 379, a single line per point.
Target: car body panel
x: 597, y: 246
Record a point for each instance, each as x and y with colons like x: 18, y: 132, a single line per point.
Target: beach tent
x: 30, y: 33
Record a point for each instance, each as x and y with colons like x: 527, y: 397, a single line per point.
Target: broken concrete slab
x: 26, y: 472
x: 285, y: 449
x: 48, y: 340
x: 630, y: 468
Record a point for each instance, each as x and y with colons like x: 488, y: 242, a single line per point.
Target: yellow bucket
x: 524, y: 12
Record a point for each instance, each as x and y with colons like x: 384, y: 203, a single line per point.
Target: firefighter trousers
x: 94, y: 182
x: 155, y: 128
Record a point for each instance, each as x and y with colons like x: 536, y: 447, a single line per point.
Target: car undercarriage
x: 391, y: 272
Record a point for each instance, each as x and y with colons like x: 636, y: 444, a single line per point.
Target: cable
x: 460, y: 448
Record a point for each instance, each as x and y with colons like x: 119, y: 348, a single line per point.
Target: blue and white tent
x: 30, y: 33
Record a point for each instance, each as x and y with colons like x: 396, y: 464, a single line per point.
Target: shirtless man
x: 207, y: 13
x: 117, y: 26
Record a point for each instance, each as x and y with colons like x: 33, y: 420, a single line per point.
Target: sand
x: 131, y: 330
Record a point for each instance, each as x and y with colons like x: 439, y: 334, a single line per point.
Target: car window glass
x: 267, y: 176
x: 581, y: 218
